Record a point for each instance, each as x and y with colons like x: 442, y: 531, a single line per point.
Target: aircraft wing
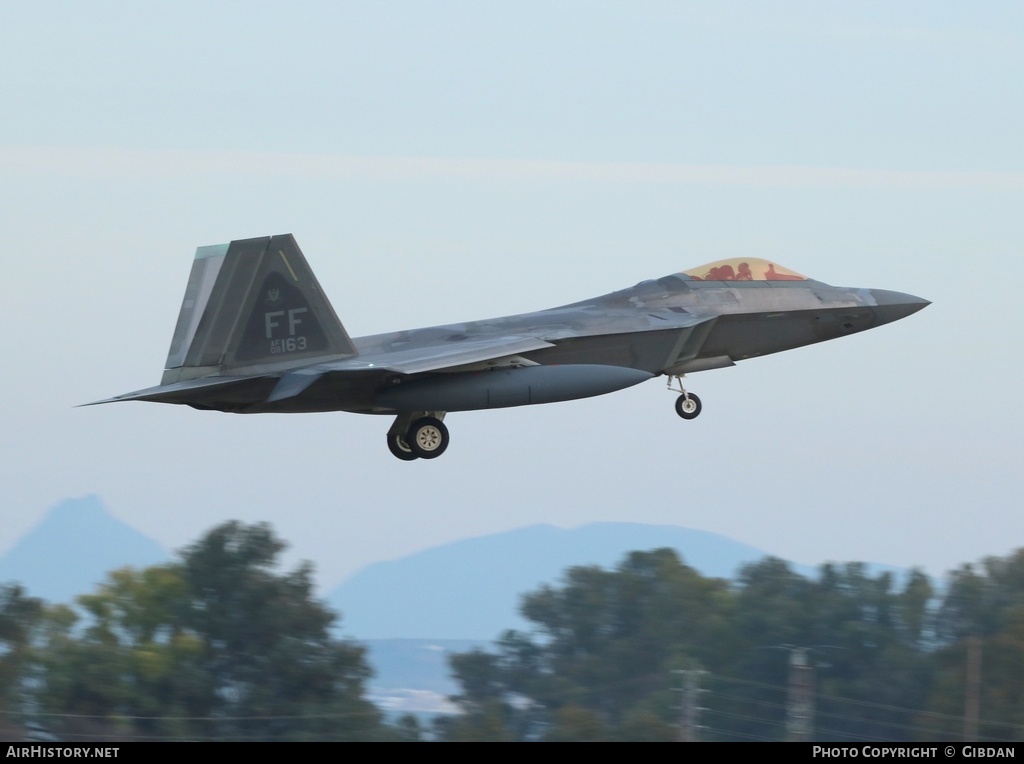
x: 418, y: 360
x: 411, y: 361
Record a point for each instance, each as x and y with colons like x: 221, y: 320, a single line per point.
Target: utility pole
x: 800, y: 700
x: 690, y: 708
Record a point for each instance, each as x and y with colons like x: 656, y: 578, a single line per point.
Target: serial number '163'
x: 289, y: 345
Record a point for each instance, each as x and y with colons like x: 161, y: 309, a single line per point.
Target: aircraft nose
x: 892, y: 306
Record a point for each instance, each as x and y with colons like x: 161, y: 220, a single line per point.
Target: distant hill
x: 73, y: 548
x: 471, y: 589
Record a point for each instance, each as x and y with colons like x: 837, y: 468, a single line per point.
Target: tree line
x: 862, y: 657
x: 221, y: 645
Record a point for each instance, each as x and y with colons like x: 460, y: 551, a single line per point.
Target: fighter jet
x: 256, y: 334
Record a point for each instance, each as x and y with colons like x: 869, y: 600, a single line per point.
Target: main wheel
x: 688, y: 406
x: 398, y: 446
x: 427, y: 437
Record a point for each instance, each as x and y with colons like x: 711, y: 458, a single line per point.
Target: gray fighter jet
x: 256, y: 334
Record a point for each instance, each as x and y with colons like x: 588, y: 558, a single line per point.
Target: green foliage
x: 602, y: 660
x: 605, y: 642
x: 983, y: 603
x: 19, y: 614
x: 215, y: 646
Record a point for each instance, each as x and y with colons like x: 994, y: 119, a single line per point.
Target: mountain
x: 73, y: 548
x: 470, y: 589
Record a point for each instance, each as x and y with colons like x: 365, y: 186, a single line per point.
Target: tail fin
x: 251, y: 302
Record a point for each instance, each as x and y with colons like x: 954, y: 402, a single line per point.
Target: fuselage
x: 673, y: 325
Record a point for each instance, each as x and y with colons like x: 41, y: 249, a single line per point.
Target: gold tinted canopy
x: 743, y: 269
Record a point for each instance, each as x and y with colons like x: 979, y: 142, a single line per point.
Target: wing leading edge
x: 412, y: 361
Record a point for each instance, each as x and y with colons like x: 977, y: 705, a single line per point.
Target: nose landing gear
x: 688, y: 405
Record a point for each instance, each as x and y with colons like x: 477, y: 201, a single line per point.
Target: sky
x: 447, y: 161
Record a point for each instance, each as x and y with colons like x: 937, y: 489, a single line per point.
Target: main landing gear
x: 422, y: 434
x: 418, y: 435
x: 687, y: 404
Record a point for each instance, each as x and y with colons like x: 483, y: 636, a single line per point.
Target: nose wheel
x: 687, y: 404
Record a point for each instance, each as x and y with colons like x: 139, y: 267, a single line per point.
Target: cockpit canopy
x: 743, y: 269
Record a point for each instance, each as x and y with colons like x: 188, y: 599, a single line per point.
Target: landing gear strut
x: 418, y: 435
x: 687, y: 404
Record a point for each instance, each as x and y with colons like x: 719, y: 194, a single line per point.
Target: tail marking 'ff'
x: 252, y: 302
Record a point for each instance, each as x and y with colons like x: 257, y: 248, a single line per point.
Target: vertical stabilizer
x: 205, y: 268
x: 252, y: 302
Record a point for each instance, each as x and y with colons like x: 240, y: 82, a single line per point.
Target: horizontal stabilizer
x: 177, y: 391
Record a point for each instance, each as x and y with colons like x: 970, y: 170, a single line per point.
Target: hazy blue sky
x: 444, y: 161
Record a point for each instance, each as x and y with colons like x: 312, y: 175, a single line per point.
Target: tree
x: 983, y: 609
x: 217, y: 645
x: 19, y: 615
x: 598, y: 665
